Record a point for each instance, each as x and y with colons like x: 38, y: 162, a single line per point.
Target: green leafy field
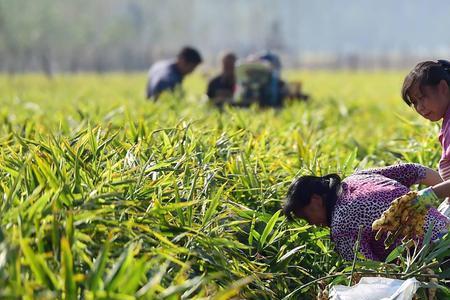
x: 108, y: 196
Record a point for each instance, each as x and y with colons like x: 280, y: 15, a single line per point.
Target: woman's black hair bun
x: 445, y: 64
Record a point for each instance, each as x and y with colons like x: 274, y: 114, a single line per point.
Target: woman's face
x: 315, y: 212
x: 431, y: 102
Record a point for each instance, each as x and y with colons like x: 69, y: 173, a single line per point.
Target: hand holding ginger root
x: 405, y: 217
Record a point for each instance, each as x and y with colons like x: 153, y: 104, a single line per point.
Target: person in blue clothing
x: 274, y: 92
x: 168, y: 74
x: 259, y: 81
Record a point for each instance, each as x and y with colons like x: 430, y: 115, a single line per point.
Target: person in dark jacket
x: 221, y: 88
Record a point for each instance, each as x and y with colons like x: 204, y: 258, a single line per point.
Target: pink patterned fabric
x: 365, y: 195
x: 444, y: 139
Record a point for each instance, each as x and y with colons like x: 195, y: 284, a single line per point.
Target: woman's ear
x: 443, y: 87
x: 317, y: 200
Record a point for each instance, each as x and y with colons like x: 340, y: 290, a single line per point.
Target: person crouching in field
x: 168, y: 74
x: 426, y: 88
x: 221, y: 88
x: 360, y: 199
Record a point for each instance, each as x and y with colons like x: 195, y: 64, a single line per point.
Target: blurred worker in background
x: 169, y: 74
x: 259, y: 81
x: 221, y: 88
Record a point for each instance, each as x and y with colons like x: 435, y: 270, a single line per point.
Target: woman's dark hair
x: 301, y: 190
x: 190, y: 55
x: 427, y: 73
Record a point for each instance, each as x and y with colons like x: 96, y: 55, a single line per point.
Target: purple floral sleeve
x: 405, y: 173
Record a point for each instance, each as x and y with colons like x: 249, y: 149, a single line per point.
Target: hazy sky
x: 320, y: 25
x: 130, y: 33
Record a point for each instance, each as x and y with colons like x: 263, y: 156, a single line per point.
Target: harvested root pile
x: 405, y: 217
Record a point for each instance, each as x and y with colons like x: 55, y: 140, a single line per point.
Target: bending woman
x: 359, y: 200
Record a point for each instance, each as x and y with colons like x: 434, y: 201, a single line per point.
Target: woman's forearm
x: 442, y: 190
x: 432, y: 178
